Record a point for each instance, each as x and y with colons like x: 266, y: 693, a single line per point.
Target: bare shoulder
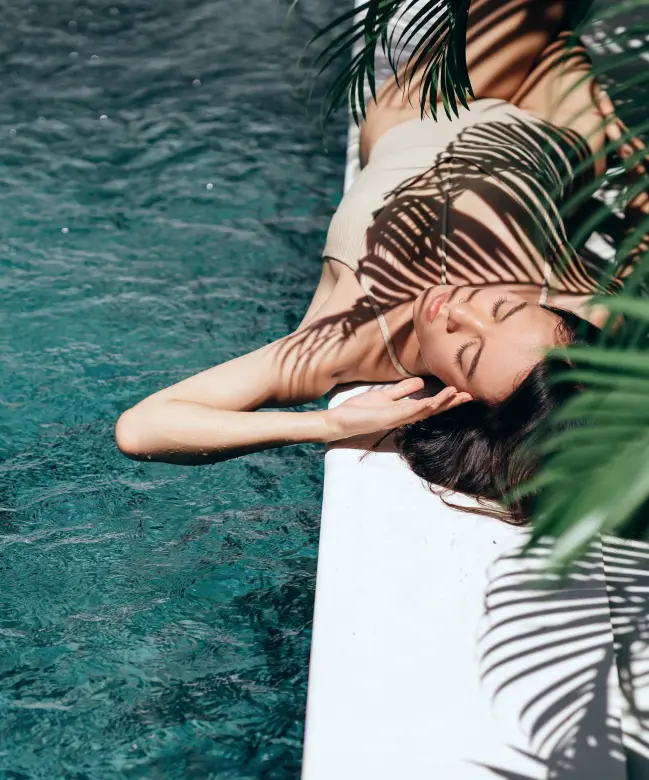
x: 336, y: 291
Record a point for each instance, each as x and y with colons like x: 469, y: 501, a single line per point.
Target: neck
x: 365, y: 358
x: 399, y: 320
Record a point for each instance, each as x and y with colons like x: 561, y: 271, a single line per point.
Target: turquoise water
x: 155, y: 620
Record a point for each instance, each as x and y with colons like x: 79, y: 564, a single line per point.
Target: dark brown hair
x: 488, y: 450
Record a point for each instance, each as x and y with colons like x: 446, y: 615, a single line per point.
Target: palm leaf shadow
x: 520, y: 171
x: 578, y: 651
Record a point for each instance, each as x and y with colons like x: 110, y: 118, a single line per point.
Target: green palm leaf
x: 436, y: 32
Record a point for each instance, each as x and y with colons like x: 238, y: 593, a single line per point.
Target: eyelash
x: 459, y: 353
x: 494, y: 311
x: 497, y: 305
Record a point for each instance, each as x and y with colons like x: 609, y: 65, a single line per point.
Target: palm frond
x: 563, y: 639
x: 435, y: 35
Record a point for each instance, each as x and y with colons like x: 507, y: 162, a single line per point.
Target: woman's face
x: 481, y: 340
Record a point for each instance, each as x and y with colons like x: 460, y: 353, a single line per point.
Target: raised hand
x: 628, y: 147
x: 383, y: 410
x: 633, y: 154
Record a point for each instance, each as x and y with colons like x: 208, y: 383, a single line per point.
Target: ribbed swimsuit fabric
x: 398, y: 218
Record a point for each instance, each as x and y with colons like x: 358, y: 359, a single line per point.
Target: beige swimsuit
x: 397, y: 228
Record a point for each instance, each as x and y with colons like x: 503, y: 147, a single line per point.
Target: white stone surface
x: 433, y: 654
x: 420, y: 617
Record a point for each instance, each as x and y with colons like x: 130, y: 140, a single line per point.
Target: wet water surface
x: 164, y: 196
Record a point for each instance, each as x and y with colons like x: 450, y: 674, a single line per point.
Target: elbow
x: 128, y: 435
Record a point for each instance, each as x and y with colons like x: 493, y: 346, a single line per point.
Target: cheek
x: 440, y: 359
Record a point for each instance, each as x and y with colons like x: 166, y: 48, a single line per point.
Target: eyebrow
x: 474, y: 362
x: 513, y: 311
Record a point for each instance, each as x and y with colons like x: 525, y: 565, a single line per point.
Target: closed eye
x: 461, y: 351
x: 495, y: 308
x: 476, y: 357
x: 466, y: 345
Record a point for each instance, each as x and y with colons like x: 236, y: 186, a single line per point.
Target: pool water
x: 164, y: 196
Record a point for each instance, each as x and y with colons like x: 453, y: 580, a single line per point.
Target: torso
x: 341, y: 298
x: 398, y: 266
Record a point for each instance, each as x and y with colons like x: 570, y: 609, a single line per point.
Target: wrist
x: 323, y: 431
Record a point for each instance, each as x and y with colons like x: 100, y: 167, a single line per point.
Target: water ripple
x: 154, y: 620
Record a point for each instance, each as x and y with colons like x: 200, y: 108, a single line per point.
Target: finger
x: 453, y: 400
x: 637, y: 143
x: 437, y: 404
x: 446, y: 404
x: 414, y: 406
x: 638, y: 152
x: 614, y: 127
x: 441, y: 398
x: 405, y: 388
x: 634, y: 159
x: 616, y: 130
x: 628, y: 149
x: 607, y: 111
x: 460, y: 398
x: 411, y: 406
x: 450, y: 390
x: 433, y: 407
x: 409, y: 410
x: 605, y: 104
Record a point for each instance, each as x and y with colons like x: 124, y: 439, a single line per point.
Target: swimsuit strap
x: 547, y: 276
x: 385, y: 332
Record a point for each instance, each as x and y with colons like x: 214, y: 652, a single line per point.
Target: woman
x: 440, y: 261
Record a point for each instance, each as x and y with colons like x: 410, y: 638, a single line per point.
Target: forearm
x: 185, y: 432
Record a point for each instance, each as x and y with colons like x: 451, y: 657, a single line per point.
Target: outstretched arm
x: 212, y: 417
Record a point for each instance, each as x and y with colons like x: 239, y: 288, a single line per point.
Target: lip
x: 435, y: 305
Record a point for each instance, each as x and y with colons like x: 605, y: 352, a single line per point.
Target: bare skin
x: 513, y: 51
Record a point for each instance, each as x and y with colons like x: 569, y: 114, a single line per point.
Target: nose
x: 463, y: 315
